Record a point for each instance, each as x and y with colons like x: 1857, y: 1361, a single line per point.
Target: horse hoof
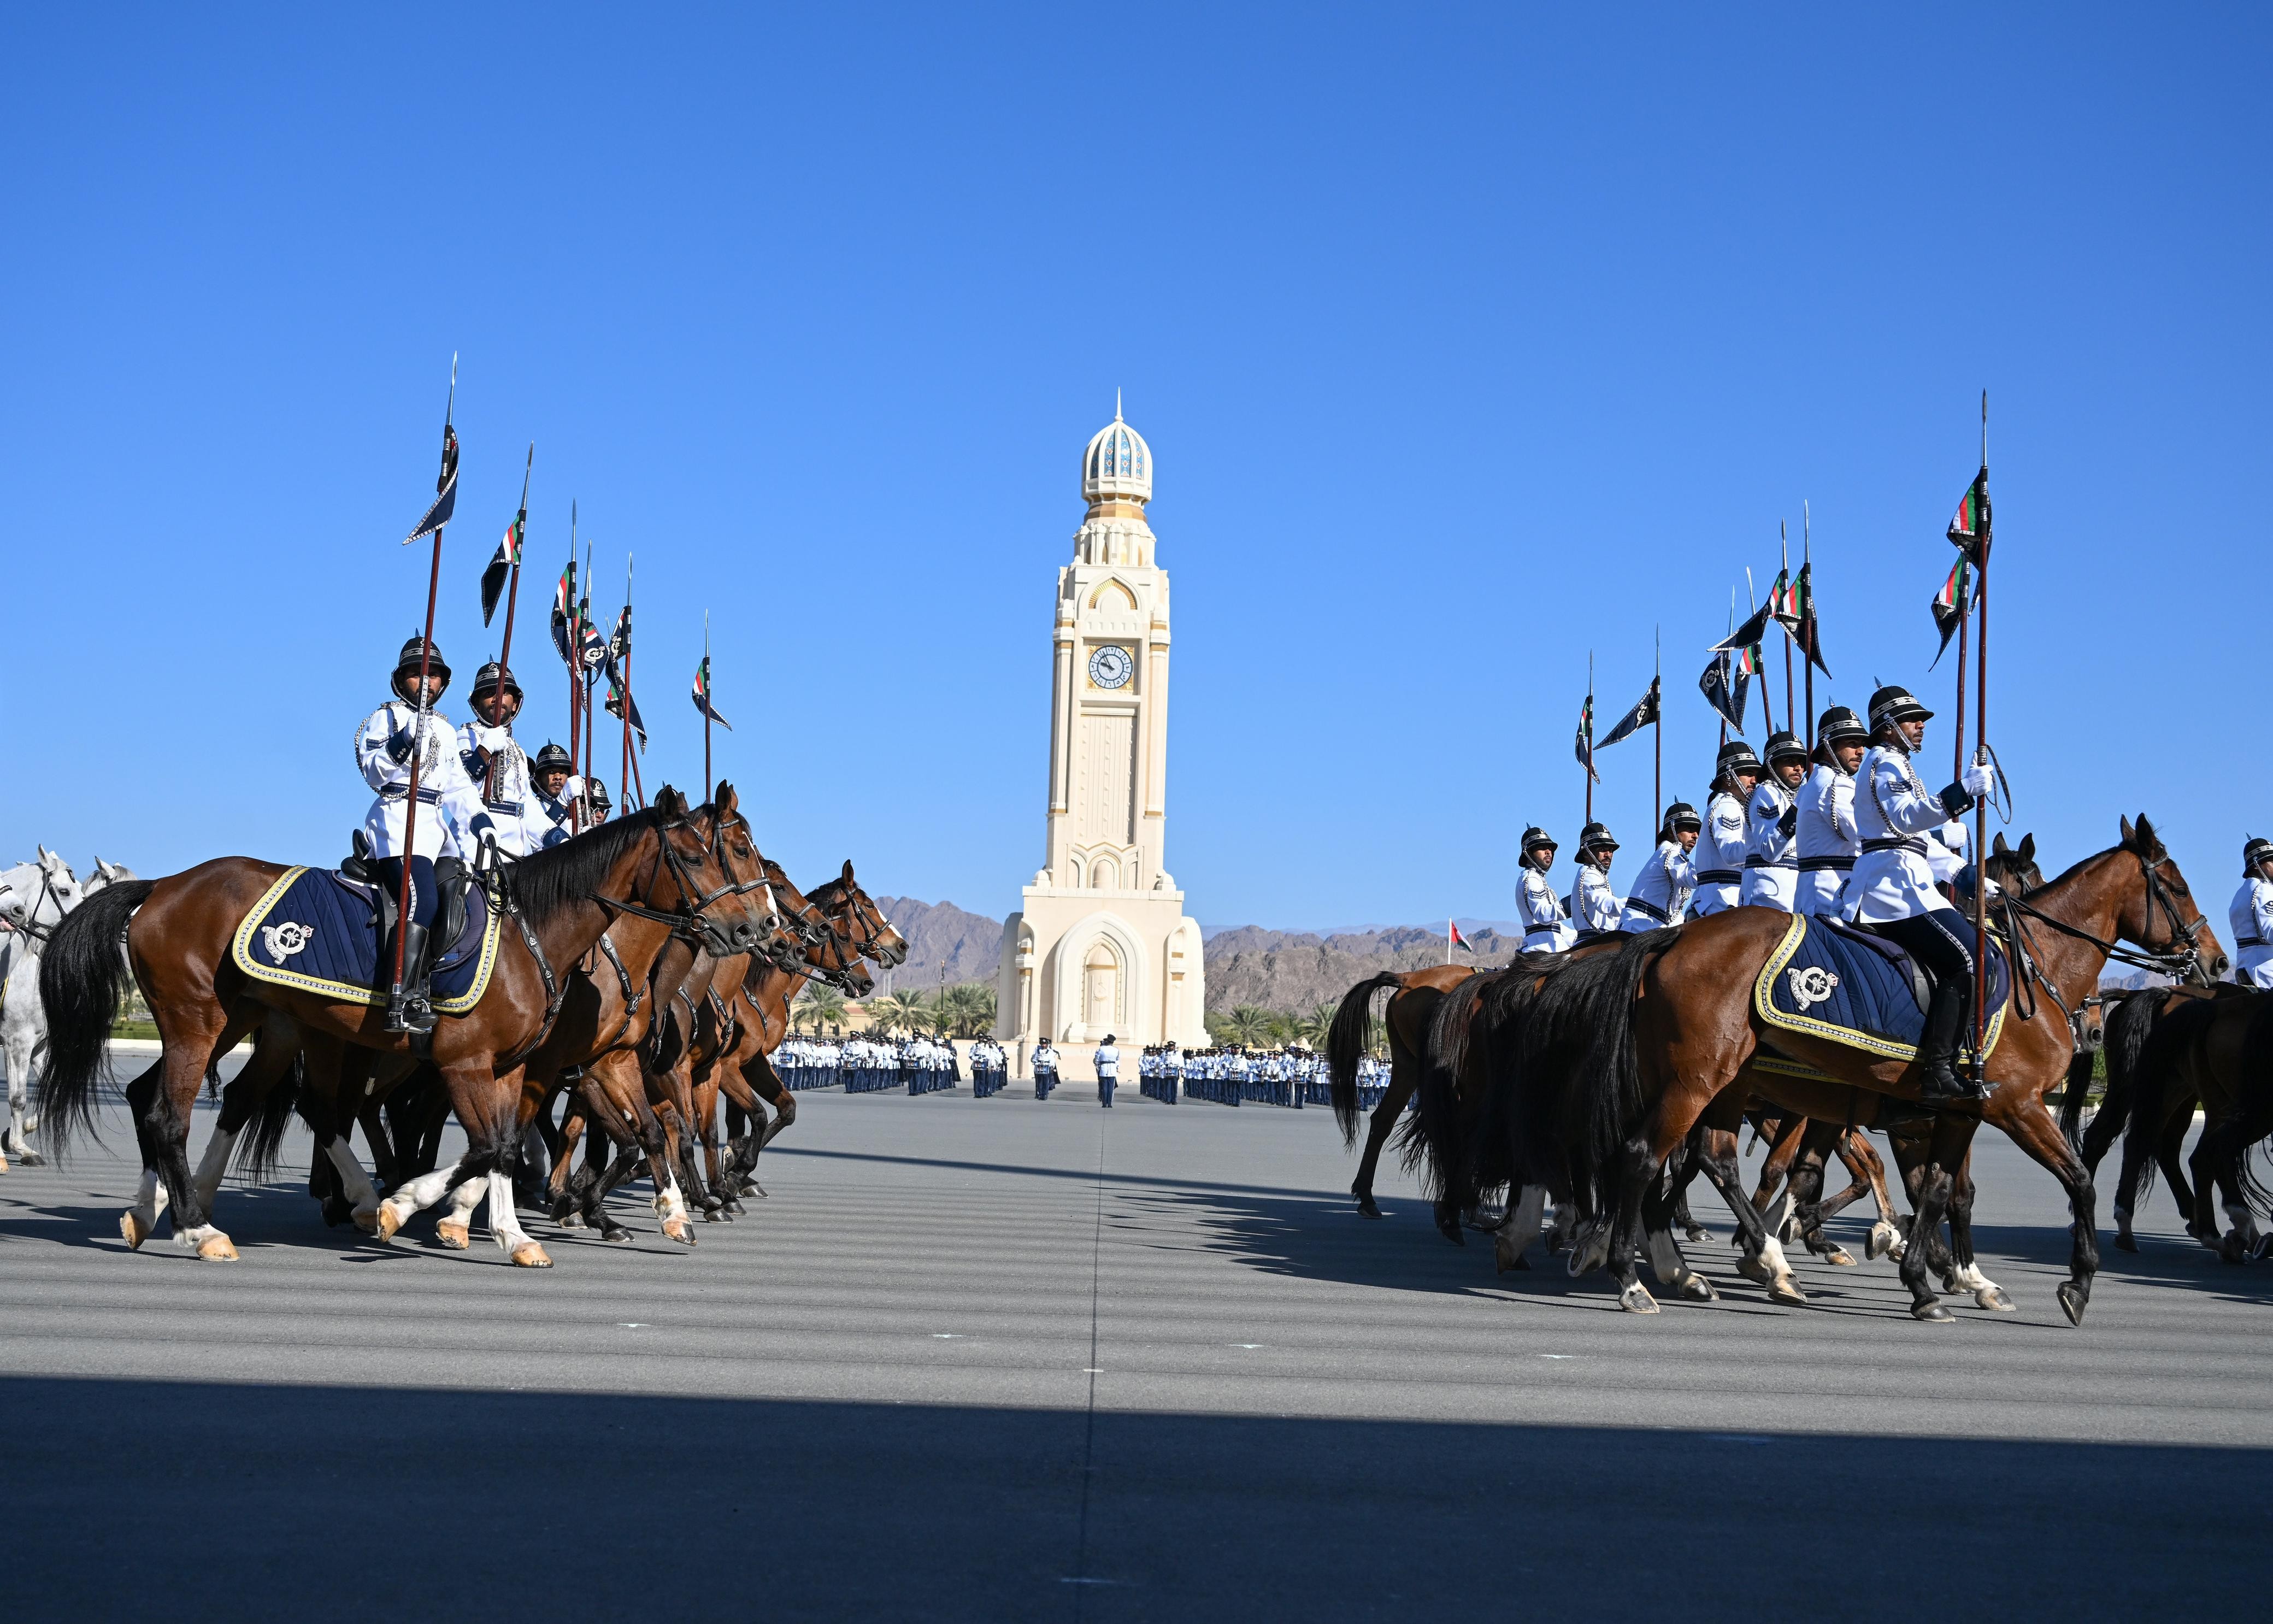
x: 735, y: 1209
x: 1838, y: 1257
x: 1932, y: 1313
x: 714, y: 1214
x: 1697, y: 1288
x: 367, y: 1221
x: 679, y: 1229
x: 390, y: 1221
x: 1366, y: 1209
x: 615, y: 1232
x: 570, y: 1221
x: 1993, y: 1299
x: 2265, y: 1248
x: 2125, y: 1243
x: 1636, y: 1299
x: 528, y: 1254
x: 133, y: 1229
x: 216, y: 1248
x: 454, y: 1235
x: 1786, y: 1290
x: 1756, y: 1271
x: 1882, y: 1242
x: 2232, y: 1249
x: 2073, y: 1300
x: 30, y: 1158
x: 1698, y: 1234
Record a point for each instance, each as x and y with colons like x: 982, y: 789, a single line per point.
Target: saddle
x: 452, y: 879
x: 1852, y: 986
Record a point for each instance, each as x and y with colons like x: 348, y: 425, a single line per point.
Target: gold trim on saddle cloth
x: 1869, y: 1042
x: 346, y: 992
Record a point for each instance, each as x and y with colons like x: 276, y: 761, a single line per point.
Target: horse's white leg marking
x: 213, y: 1164
x: 505, y: 1226
x: 453, y: 1226
x: 1519, y: 1227
x: 1986, y: 1292
x: 2243, y: 1222
x: 356, y: 1182
x: 138, y: 1223
x: 415, y: 1197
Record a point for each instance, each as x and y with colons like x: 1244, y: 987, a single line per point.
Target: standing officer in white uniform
x: 1594, y: 907
x: 1661, y: 891
x: 1545, y: 926
x: 1107, y: 1061
x: 2251, y: 916
x: 384, y: 746
x: 1721, y: 858
x: 1892, y: 888
x: 1772, y: 827
x: 1829, y: 844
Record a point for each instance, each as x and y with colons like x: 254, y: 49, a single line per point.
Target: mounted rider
x: 553, y: 776
x: 1829, y: 844
x: 596, y: 805
x: 1721, y: 867
x: 1593, y: 907
x: 1892, y: 889
x: 1545, y: 926
x: 1771, y: 826
x: 1661, y: 891
x: 2251, y: 915
x: 498, y: 767
x: 384, y: 747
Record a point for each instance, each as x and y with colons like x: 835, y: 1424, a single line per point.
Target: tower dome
x: 1117, y: 463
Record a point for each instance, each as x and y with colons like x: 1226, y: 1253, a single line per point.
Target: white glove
x: 574, y: 789
x: 1990, y: 890
x: 1978, y: 778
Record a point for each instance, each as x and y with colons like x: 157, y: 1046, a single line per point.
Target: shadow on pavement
x: 235, y: 1502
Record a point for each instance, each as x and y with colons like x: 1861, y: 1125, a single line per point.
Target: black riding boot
x: 410, y: 1009
x: 1945, y: 1018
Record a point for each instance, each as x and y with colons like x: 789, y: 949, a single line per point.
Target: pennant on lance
x: 1809, y: 633
x: 501, y: 564
x: 703, y: 694
x: 1724, y: 690
x: 446, y: 500
x: 1969, y: 531
x: 1585, y: 741
x: 1642, y: 715
x: 1949, y: 607
x: 564, y: 616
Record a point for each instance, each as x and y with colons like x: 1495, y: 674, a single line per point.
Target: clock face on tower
x: 1110, y: 666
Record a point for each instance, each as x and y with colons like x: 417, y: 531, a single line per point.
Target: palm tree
x: 1253, y: 1027
x: 1311, y: 1030
x: 899, y: 1011
x: 968, y: 1010
x: 817, y: 1009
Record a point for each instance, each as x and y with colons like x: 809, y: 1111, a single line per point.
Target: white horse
x: 33, y: 898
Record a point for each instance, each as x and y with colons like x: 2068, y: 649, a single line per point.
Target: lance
x: 1981, y: 808
x: 1590, y: 735
x: 1657, y: 733
x: 513, y: 582
x: 624, y: 778
x: 1784, y: 560
x: 709, y: 784
x: 1767, y: 706
x: 1807, y: 609
x: 1732, y: 626
x: 583, y: 675
x: 574, y: 659
x: 418, y: 725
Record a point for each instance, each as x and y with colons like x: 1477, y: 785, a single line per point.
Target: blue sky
x: 1467, y: 341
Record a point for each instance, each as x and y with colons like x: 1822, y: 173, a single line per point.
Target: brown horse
x: 663, y: 861
x: 1673, y: 1024
x: 2247, y: 1117
x: 2200, y: 1049
x: 1413, y: 996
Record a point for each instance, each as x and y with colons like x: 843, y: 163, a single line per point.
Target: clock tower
x: 1102, y: 943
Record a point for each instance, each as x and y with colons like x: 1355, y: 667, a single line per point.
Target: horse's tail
x: 263, y: 1144
x: 2148, y: 1079
x: 2080, y: 1069
x: 1583, y: 1022
x: 82, y: 976
x: 2128, y: 1027
x: 2252, y: 1108
x: 1346, y: 1040
x: 1429, y: 1141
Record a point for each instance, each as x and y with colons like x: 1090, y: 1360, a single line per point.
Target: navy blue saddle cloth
x: 318, y: 931
x: 1829, y: 979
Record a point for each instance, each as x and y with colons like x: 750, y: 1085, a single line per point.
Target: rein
x: 2177, y: 962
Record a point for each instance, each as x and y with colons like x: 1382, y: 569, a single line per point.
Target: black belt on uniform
x: 1649, y: 908
x: 1763, y: 863
x: 1541, y: 931
x: 1903, y: 843
x: 1719, y: 876
x: 2250, y: 940
x: 1817, y: 865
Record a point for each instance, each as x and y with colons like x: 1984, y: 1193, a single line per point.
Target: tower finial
x: 1116, y: 407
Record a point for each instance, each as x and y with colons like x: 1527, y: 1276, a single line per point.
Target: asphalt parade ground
x: 1014, y: 1359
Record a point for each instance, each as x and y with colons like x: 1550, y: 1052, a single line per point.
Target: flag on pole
x: 1642, y: 715
x: 1949, y: 607
x: 1457, y: 939
x: 703, y: 694
x: 1586, y: 743
x: 1969, y: 531
x: 1724, y: 691
x: 615, y: 705
x: 501, y: 565
x: 446, y: 502
x: 564, y: 616
x: 1783, y: 602
x: 1748, y: 635
x: 1810, y: 635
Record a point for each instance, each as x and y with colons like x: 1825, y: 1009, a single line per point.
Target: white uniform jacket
x: 1661, y: 891
x: 447, y: 803
x: 506, y: 794
x: 1827, y: 841
x: 1771, y: 836
x: 1592, y: 905
x: 1945, y: 851
x: 2252, y: 918
x: 1545, y: 926
x: 1107, y: 1061
x: 1720, y: 860
x: 1895, y: 817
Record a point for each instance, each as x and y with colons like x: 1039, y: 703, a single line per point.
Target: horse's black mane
x: 560, y: 876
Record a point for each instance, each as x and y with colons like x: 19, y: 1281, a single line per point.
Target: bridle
x: 2180, y: 962
x: 33, y: 926
x: 695, y: 902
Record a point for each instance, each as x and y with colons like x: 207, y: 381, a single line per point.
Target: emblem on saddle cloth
x: 283, y: 940
x: 1811, y: 985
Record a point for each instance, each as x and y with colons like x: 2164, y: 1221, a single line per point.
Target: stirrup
x: 409, y: 1011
